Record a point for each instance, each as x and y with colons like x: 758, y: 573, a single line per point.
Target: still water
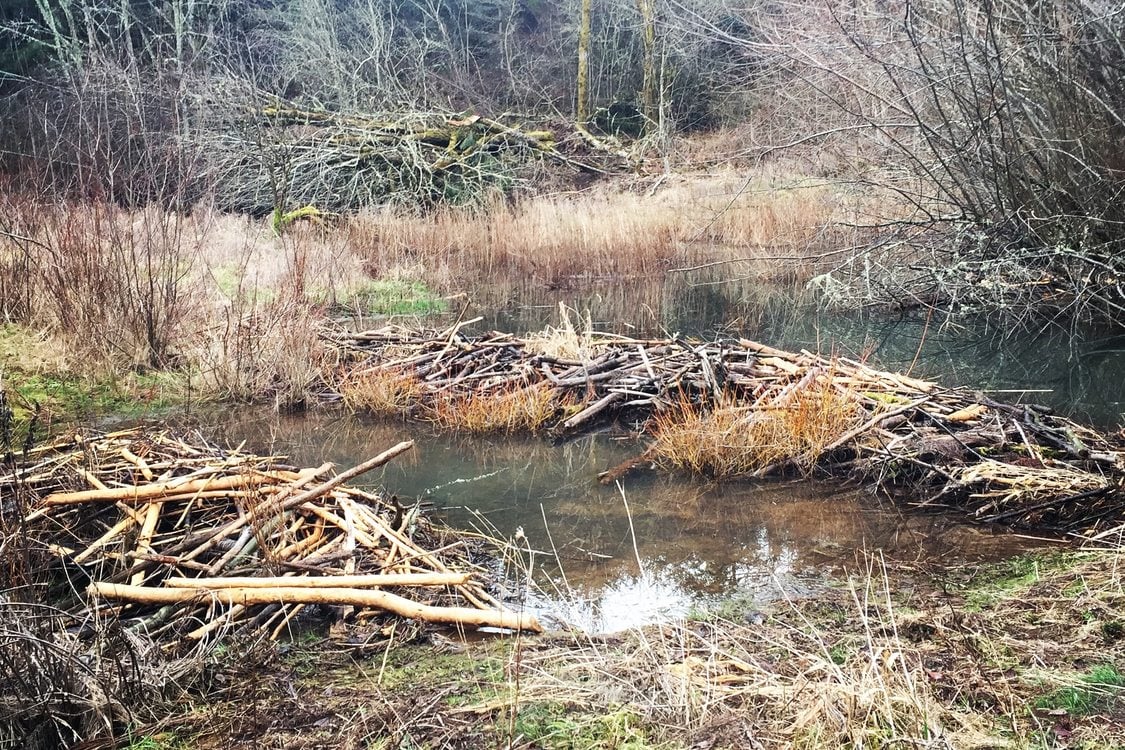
x: 660, y: 546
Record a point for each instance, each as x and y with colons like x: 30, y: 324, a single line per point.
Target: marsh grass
x: 384, y: 392
x: 791, y: 426
x: 233, y: 307
x: 612, y: 234
x: 508, y: 409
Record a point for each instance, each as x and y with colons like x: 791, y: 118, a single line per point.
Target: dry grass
x: 565, y: 341
x: 1008, y: 484
x: 382, y: 391
x: 788, y: 682
x: 608, y: 234
x: 889, y: 661
x: 792, y: 427
x: 268, y: 351
x: 509, y: 409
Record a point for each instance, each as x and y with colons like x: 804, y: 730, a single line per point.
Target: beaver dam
x: 184, y: 540
x: 738, y: 408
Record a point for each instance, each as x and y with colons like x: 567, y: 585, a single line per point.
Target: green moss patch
x: 397, y: 297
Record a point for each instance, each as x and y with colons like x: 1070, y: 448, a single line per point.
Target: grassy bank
x: 230, y: 307
x: 1025, y: 654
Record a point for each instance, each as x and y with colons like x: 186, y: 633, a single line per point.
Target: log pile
x: 1012, y: 463
x: 186, y: 541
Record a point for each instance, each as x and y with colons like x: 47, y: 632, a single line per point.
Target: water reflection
x: 667, y: 546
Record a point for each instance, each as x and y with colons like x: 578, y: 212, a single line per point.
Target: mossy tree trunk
x: 581, y: 109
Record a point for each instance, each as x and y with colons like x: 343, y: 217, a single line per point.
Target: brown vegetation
x: 730, y: 438
x: 508, y: 409
x: 612, y: 234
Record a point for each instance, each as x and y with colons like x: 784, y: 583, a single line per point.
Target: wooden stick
x: 351, y: 473
x: 296, y: 595
x: 150, y: 491
x: 144, y: 541
x: 373, y: 580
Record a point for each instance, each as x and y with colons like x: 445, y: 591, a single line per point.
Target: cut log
x: 336, y: 596
x: 354, y: 581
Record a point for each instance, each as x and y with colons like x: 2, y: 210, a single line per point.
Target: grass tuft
x: 509, y: 409
x: 565, y: 341
x: 793, y: 427
x: 380, y: 391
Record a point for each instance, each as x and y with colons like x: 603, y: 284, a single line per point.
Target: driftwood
x: 159, y: 519
x: 930, y: 445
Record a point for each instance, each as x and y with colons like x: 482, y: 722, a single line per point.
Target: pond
x: 656, y: 547
x: 659, y: 546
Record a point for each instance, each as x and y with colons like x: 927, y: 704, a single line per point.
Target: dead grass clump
x: 566, y: 341
x: 509, y: 409
x: 382, y: 391
x: 793, y: 427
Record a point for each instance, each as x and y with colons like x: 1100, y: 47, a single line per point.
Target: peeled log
x: 325, y: 582
x: 339, y: 596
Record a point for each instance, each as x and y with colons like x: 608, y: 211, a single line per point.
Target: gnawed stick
x: 351, y: 473
x: 373, y: 580
x: 340, y: 596
x: 162, y: 490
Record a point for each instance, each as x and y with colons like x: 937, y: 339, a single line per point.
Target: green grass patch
x: 38, y: 383
x: 1096, y: 690
x: 421, y: 666
x: 556, y: 725
x: 993, y: 583
x: 396, y: 297
x: 164, y: 741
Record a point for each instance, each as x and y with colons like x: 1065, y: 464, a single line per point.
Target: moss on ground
x: 41, y: 385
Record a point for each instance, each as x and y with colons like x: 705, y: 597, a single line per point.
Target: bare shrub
x: 113, y: 282
x: 995, y: 127
x: 264, y: 350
